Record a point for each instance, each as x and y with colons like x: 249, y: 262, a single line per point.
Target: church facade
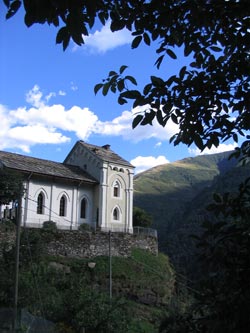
x: 93, y: 186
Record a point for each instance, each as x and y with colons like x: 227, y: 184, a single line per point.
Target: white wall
x: 52, y: 192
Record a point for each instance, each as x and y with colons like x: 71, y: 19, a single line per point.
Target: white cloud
x: 33, y: 134
x: 73, y: 86
x: 34, y: 97
x: 158, y: 144
x: 103, y: 40
x: 76, y: 119
x: 41, y: 123
x: 61, y: 93
x: 221, y: 148
x: 122, y: 126
x: 49, y: 96
x: 53, y: 124
x: 143, y: 163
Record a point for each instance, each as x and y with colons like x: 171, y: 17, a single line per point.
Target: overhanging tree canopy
x: 210, y: 98
x: 141, y: 218
x: 10, y: 186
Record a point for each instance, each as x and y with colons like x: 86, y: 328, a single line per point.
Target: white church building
x: 93, y: 185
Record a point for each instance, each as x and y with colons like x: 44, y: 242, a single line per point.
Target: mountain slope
x: 176, y: 195
x: 165, y: 191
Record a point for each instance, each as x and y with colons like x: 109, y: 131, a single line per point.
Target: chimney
x: 107, y: 147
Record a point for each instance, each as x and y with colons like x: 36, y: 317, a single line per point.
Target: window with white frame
x: 116, y: 214
x: 116, y: 189
x: 83, y: 212
x: 63, y: 206
x: 40, y: 203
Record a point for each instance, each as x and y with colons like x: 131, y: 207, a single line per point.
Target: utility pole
x: 18, y: 230
x: 110, y: 267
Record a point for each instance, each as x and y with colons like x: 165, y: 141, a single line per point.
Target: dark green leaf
x: 235, y: 137
x: 137, y: 120
x: 174, y: 118
x: 167, y: 108
x: 121, y: 100
x: 15, y: 5
x: 139, y: 101
x: 120, y: 85
x: 198, y: 142
x: 182, y: 72
x: 61, y: 35
x: 157, y: 81
x: 136, y: 42
x: 187, y: 50
x: 113, y: 88
x: 147, y: 89
x: 131, y: 79
x: 148, y: 118
x: 113, y: 79
x: 117, y: 25
x: 7, y: 3
x: 215, y: 48
x: 171, y: 54
x: 159, y: 61
x: 29, y: 19
x: 102, y: 18
x: 159, y: 117
x: 131, y: 94
x: 66, y: 42
x: 112, y: 73
x: 105, y: 88
x: 194, y: 64
x: 146, y: 38
x: 97, y: 87
x: 225, y: 107
x: 171, y: 80
x: 122, y: 69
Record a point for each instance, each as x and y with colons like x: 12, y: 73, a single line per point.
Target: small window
x: 83, y: 208
x: 40, y: 203
x: 62, y: 207
x: 116, y: 214
x: 116, y: 189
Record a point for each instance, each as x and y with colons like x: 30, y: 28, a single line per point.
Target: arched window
x: 83, y: 212
x: 62, y: 207
x: 116, y: 214
x: 116, y: 189
x: 40, y: 203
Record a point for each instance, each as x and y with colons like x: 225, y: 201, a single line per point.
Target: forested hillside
x: 176, y: 195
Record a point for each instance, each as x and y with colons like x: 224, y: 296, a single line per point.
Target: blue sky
x: 47, y: 99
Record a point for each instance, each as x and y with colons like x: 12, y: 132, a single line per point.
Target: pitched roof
x: 104, y: 153
x: 44, y: 167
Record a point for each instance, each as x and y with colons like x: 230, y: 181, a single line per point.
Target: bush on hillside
x: 49, y: 225
x: 84, y: 227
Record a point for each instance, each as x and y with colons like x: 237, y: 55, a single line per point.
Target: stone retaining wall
x: 80, y: 244
x: 84, y: 244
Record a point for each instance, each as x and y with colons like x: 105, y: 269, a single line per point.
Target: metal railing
x: 116, y: 229
x: 145, y: 231
x: 135, y: 230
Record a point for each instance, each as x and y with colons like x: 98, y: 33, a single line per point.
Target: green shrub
x: 49, y: 225
x: 84, y: 227
x: 7, y: 225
